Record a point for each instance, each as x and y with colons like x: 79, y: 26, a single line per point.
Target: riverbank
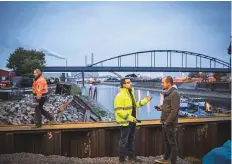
x: 193, y: 93
x: 183, y: 92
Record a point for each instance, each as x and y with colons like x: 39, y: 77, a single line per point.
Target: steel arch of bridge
x: 169, y: 54
x: 115, y: 73
x: 153, y: 67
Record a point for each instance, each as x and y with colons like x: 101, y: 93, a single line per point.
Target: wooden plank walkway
x: 101, y: 124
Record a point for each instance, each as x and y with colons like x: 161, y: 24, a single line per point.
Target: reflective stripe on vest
x: 122, y: 122
x: 123, y: 108
x: 127, y: 116
x: 45, y: 89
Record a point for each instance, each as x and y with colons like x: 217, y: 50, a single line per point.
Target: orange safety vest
x: 40, y: 87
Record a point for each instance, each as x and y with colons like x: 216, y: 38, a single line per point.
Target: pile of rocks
x: 22, y: 112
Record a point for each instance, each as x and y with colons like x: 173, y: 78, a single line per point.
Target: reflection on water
x: 148, y: 104
x: 139, y: 95
x: 106, y: 95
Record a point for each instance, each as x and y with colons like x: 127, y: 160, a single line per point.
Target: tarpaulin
x: 220, y: 155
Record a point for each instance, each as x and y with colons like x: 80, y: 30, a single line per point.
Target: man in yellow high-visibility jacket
x: 125, y: 110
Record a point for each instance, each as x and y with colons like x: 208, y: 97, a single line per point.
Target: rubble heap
x: 22, y: 112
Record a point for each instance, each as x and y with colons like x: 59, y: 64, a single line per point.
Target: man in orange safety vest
x: 40, y: 90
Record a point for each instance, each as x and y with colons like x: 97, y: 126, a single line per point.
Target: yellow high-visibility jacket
x: 123, y: 107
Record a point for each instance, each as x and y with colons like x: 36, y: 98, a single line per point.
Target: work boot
x: 122, y: 160
x: 163, y: 161
x: 134, y: 159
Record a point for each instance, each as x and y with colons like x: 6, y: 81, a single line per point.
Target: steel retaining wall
x: 196, y: 137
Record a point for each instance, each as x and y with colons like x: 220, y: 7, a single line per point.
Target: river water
x: 107, y: 93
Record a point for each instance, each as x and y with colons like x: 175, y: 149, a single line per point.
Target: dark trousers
x: 169, y: 132
x: 39, y: 110
x: 127, y: 140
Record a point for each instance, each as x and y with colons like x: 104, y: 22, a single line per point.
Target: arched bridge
x: 153, y: 61
x: 97, y: 75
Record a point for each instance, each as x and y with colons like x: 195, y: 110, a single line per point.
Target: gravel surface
x: 28, y: 158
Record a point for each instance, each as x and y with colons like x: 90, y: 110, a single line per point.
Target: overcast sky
x: 76, y: 29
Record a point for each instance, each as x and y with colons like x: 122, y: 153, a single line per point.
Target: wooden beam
x: 110, y: 124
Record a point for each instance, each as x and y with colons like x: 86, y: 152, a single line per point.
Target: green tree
x: 24, y: 62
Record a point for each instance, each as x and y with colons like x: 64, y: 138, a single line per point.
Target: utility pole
x: 229, y: 51
x: 92, y: 58
x: 66, y: 62
x: 85, y: 60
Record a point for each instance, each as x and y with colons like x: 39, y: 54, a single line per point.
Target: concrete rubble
x: 22, y: 112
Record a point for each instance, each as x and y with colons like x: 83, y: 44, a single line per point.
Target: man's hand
x: 148, y: 98
x: 159, y: 108
x: 134, y: 120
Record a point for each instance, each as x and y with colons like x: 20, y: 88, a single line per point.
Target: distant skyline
x: 108, y: 29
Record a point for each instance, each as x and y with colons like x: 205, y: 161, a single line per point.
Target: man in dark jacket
x: 169, y: 120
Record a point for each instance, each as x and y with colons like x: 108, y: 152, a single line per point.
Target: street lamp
x: 229, y: 51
